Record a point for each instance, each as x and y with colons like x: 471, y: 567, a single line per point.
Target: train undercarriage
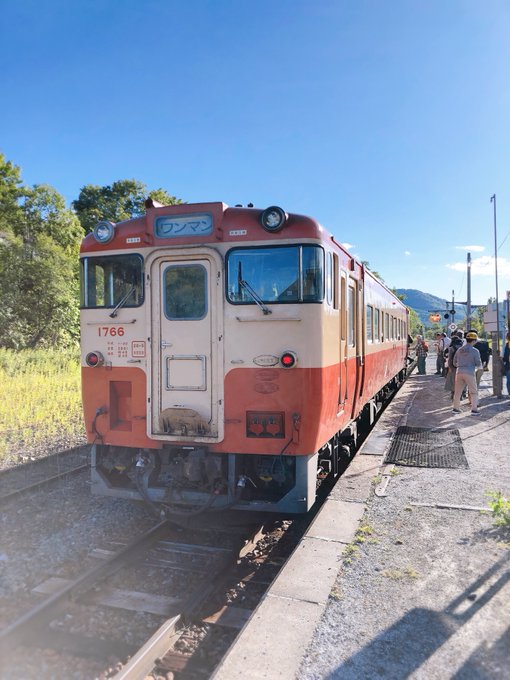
x: 188, y: 480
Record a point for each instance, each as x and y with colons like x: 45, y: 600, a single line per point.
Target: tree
x: 122, y: 200
x: 39, y: 281
x: 10, y: 192
x: 45, y: 212
x: 39, y: 294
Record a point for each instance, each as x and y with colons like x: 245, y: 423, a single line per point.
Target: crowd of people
x: 462, y: 360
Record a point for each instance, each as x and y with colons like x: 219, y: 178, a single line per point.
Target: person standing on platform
x: 446, y: 344
x: 467, y: 360
x: 449, y: 384
x: 440, y: 354
x: 421, y: 354
x: 506, y: 362
x: 485, y: 353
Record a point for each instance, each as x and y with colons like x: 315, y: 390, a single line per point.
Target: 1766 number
x: 111, y: 331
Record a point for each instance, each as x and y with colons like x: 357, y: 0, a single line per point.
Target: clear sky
x: 386, y: 120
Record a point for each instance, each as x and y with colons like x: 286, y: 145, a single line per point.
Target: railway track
x: 35, y: 474
x: 114, y: 584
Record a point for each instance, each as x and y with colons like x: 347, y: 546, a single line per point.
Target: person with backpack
x: 467, y: 360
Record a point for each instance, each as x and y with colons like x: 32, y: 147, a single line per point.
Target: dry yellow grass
x: 40, y: 402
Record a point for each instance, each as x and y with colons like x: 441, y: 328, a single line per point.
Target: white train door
x: 187, y: 387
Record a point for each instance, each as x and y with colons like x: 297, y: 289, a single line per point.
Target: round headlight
x: 104, y: 231
x: 273, y: 218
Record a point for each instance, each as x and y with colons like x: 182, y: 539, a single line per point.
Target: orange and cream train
x: 230, y: 356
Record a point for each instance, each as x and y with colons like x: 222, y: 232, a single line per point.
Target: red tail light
x: 288, y: 359
x: 94, y: 359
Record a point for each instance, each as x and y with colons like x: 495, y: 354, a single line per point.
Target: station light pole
x: 497, y: 372
x: 468, y: 302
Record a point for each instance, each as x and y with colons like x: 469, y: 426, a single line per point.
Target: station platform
x: 403, y: 573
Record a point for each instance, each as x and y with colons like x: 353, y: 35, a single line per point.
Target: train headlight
x: 94, y: 359
x: 288, y: 359
x: 273, y: 218
x: 104, y: 231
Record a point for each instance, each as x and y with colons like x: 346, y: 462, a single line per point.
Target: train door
x: 343, y: 388
x: 187, y: 388
x: 354, y: 339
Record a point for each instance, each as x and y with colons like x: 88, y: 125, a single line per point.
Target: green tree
x: 39, y: 243
x: 11, y: 191
x: 39, y: 294
x: 415, y: 324
x: 122, y: 200
x: 45, y: 212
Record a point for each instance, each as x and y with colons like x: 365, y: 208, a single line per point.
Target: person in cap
x: 467, y: 360
x: 454, y: 345
x: 421, y: 354
x: 485, y: 354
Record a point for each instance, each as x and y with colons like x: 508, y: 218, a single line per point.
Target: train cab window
x: 279, y: 274
x: 185, y: 292
x: 370, y: 324
x: 376, y: 325
x: 112, y: 280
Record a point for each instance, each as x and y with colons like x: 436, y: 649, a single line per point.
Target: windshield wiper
x: 244, y: 284
x: 123, y: 301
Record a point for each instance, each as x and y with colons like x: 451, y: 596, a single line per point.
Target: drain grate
x: 424, y: 447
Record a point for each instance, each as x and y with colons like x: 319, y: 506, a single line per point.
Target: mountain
x: 424, y: 304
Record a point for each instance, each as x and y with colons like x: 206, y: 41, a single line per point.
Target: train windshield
x: 112, y: 281
x: 280, y: 274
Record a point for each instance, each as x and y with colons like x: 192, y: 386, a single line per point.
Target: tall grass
x: 40, y: 402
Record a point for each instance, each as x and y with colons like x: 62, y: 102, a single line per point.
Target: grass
x: 500, y: 506
x: 40, y: 402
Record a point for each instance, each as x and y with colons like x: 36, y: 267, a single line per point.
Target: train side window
x: 336, y: 281
x: 111, y: 280
x: 329, y: 278
x: 370, y: 326
x: 185, y: 292
x: 343, y: 307
x: 386, y: 326
x: 351, y: 337
x: 376, y: 325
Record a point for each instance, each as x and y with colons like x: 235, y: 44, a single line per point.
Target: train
x: 230, y: 356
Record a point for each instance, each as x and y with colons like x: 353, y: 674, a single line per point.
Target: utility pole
x: 497, y: 372
x: 468, y: 319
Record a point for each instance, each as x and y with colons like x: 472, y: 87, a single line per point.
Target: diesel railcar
x: 229, y: 355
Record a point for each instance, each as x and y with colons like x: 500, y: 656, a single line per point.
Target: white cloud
x: 484, y: 266
x: 474, y: 249
x: 347, y: 246
x: 406, y: 252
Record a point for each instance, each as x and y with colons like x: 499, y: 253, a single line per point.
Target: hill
x: 425, y: 303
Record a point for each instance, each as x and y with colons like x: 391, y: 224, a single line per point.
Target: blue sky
x: 387, y: 120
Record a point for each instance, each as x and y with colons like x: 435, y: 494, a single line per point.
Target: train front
x: 202, y: 350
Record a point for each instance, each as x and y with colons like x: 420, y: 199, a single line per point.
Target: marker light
x: 273, y: 218
x: 288, y: 359
x: 104, y: 231
x: 94, y: 359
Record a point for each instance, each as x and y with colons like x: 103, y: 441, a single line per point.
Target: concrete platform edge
x: 273, y: 641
